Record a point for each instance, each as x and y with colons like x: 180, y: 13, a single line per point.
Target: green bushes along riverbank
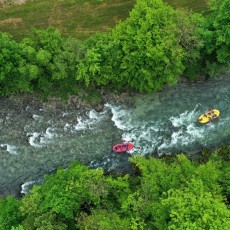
x: 154, y: 46
x: 174, y: 193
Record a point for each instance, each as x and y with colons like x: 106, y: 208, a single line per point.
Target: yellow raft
x: 210, y: 115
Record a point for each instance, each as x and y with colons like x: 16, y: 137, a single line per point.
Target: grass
x: 195, y: 5
x: 77, y: 18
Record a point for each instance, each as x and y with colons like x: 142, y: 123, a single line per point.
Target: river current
x: 35, y: 141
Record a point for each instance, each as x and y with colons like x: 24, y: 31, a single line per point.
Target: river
x: 35, y: 140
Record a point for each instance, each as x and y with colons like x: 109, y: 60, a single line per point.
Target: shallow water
x: 35, y: 141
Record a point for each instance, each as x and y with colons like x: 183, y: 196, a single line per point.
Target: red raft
x: 124, y: 147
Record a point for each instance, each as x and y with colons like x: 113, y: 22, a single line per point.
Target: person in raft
x: 118, y: 147
x: 126, y: 145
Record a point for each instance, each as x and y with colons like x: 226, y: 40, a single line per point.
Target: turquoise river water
x: 35, y: 141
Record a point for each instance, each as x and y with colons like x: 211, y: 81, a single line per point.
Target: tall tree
x: 151, y: 55
x: 217, y: 36
x: 190, y: 27
x: 41, y: 51
x: 142, y: 53
x: 192, y: 207
x: 13, y: 78
x: 99, y: 62
x: 9, y: 213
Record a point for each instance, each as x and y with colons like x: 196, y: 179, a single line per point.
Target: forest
x: 155, y: 46
x: 168, y: 193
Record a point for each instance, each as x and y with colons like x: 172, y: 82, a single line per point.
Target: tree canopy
x: 154, y: 46
x: 217, y: 37
x: 175, y: 194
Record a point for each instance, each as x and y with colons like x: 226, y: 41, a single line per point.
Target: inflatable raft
x: 208, y: 116
x: 124, y: 147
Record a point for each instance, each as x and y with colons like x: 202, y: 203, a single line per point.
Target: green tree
x: 40, y: 51
x: 151, y: 55
x: 158, y: 177
x: 69, y: 193
x: 54, y: 67
x: 192, y: 207
x: 98, y: 65
x: 12, y: 75
x: 190, y: 27
x: 65, y: 68
x: 143, y: 52
x: 49, y: 221
x: 20, y: 227
x: 217, y: 37
x: 9, y: 213
x: 102, y: 220
x: 174, y: 193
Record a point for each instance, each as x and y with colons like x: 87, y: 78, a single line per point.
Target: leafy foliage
x: 150, y: 53
x: 12, y: 76
x: 67, y: 194
x: 99, y: 63
x: 159, y: 181
x: 165, y: 195
x: 217, y: 37
x: 190, y: 27
x: 9, y: 213
x: 102, y: 219
x: 154, y: 46
x: 192, y: 207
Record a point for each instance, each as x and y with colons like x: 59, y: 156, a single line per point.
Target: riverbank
x: 39, y: 136
x: 85, y: 101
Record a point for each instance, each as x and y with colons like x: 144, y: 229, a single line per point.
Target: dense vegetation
x: 174, y: 193
x: 154, y: 46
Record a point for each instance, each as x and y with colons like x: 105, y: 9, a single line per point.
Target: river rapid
x: 35, y: 139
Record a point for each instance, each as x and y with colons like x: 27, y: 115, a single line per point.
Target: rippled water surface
x: 35, y: 141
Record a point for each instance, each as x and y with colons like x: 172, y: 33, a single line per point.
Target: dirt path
x: 5, y: 3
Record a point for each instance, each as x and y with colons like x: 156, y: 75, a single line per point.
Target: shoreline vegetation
x: 148, y: 51
x: 152, y: 48
x: 165, y: 193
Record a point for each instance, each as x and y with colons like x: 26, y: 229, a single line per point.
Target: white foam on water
x: 82, y: 124
x: 144, y: 137
x: 27, y: 108
x: 64, y: 114
x: 141, y: 133
x: 34, y: 139
x: 26, y: 186
x: 10, y: 148
x: 195, y: 131
x: 120, y: 117
x: 188, y: 131
x: 37, y: 117
x: 177, y: 139
x: 90, y: 121
x: 147, y: 137
x: 223, y: 121
x: 67, y: 127
x: 39, y: 140
x: 94, y: 115
x: 8, y: 116
x: 48, y: 135
x: 184, y: 118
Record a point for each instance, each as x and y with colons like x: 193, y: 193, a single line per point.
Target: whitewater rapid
x: 35, y: 141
